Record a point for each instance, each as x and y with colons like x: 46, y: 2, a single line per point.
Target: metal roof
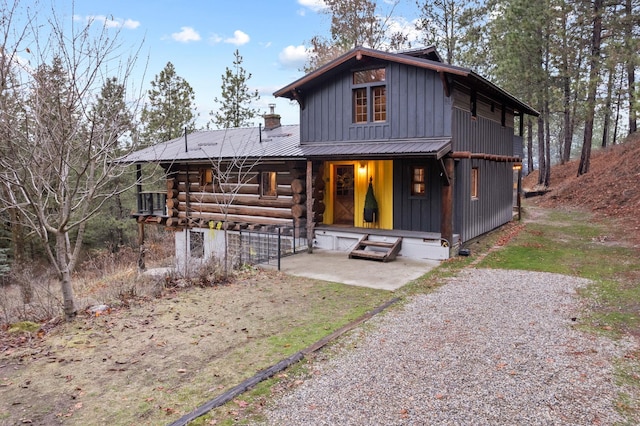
x: 280, y: 143
x: 436, y: 148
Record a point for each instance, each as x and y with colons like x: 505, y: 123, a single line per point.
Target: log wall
x: 233, y: 204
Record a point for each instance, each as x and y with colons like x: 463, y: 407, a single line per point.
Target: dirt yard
x: 161, y: 358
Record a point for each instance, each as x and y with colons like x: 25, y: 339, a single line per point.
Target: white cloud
x: 293, y: 56
x: 401, y: 25
x: 131, y: 24
x: 215, y: 39
x: 239, y: 38
x: 315, y: 5
x: 108, y: 22
x: 186, y: 35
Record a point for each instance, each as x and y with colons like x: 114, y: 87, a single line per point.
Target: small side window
x: 196, y: 244
x: 206, y: 177
x: 418, y: 181
x: 474, y: 182
x: 269, y: 185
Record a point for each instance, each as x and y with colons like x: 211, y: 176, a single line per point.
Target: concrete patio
x: 336, y: 266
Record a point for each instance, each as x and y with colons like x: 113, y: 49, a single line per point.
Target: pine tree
x: 447, y: 24
x: 170, y: 108
x: 113, y: 122
x: 236, y: 98
x: 354, y: 23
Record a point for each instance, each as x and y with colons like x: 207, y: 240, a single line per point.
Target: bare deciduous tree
x: 56, y: 163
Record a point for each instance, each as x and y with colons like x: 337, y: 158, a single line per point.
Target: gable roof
x: 361, y: 55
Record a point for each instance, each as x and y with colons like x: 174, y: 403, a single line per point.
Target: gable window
x: 360, y: 105
x: 379, y: 103
x: 418, y: 181
x: 474, y: 182
x: 369, y: 96
x: 269, y: 185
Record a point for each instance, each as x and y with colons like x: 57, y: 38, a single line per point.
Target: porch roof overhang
x: 432, y: 148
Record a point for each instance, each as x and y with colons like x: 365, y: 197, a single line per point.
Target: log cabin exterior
x: 436, y: 142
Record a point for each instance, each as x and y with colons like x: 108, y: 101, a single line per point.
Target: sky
x: 199, y: 37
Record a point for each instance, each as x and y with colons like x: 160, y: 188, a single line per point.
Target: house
x: 435, y: 143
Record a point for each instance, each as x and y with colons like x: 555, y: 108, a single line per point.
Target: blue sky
x: 199, y: 38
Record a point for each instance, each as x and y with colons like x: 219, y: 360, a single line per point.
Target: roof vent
x: 271, y: 120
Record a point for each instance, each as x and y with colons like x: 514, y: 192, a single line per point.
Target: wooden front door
x: 343, y: 191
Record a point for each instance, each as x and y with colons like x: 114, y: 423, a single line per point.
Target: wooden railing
x: 152, y: 203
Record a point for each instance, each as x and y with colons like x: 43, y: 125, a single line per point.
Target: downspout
x: 186, y: 227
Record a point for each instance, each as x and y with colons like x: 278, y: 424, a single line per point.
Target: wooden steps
x: 376, y: 250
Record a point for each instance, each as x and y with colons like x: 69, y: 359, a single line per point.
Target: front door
x: 343, y: 191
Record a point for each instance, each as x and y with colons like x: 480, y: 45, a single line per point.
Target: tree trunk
x: 529, y: 146
x: 547, y: 144
x: 594, y: 70
x: 542, y: 163
x: 607, y: 109
x: 631, y: 67
x: 568, y: 134
x: 17, y: 240
x: 618, y: 103
x: 566, y: 90
x: 64, y: 276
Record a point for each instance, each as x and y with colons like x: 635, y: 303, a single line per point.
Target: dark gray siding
x: 494, y: 205
x: 480, y: 135
x: 518, y: 146
x: 416, y: 108
x: 416, y: 213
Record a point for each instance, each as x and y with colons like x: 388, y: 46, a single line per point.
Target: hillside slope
x: 611, y: 188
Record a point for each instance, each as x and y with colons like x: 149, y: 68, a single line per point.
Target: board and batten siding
x: 481, y: 135
x: 416, y: 108
x: 411, y: 213
x: 494, y: 205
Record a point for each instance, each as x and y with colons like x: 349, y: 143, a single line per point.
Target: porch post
x: 139, y: 186
x: 446, y: 217
x: 310, y: 212
x: 141, y: 248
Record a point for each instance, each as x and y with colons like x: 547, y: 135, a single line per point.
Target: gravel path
x: 491, y: 347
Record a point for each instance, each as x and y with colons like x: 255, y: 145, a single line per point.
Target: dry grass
x: 148, y: 361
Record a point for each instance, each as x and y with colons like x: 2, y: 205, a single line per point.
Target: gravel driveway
x: 491, y: 347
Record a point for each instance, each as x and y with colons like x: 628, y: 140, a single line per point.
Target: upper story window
x: 369, y: 95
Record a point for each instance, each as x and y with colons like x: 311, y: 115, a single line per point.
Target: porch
x: 415, y: 245
x: 337, y: 267
x: 151, y: 203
